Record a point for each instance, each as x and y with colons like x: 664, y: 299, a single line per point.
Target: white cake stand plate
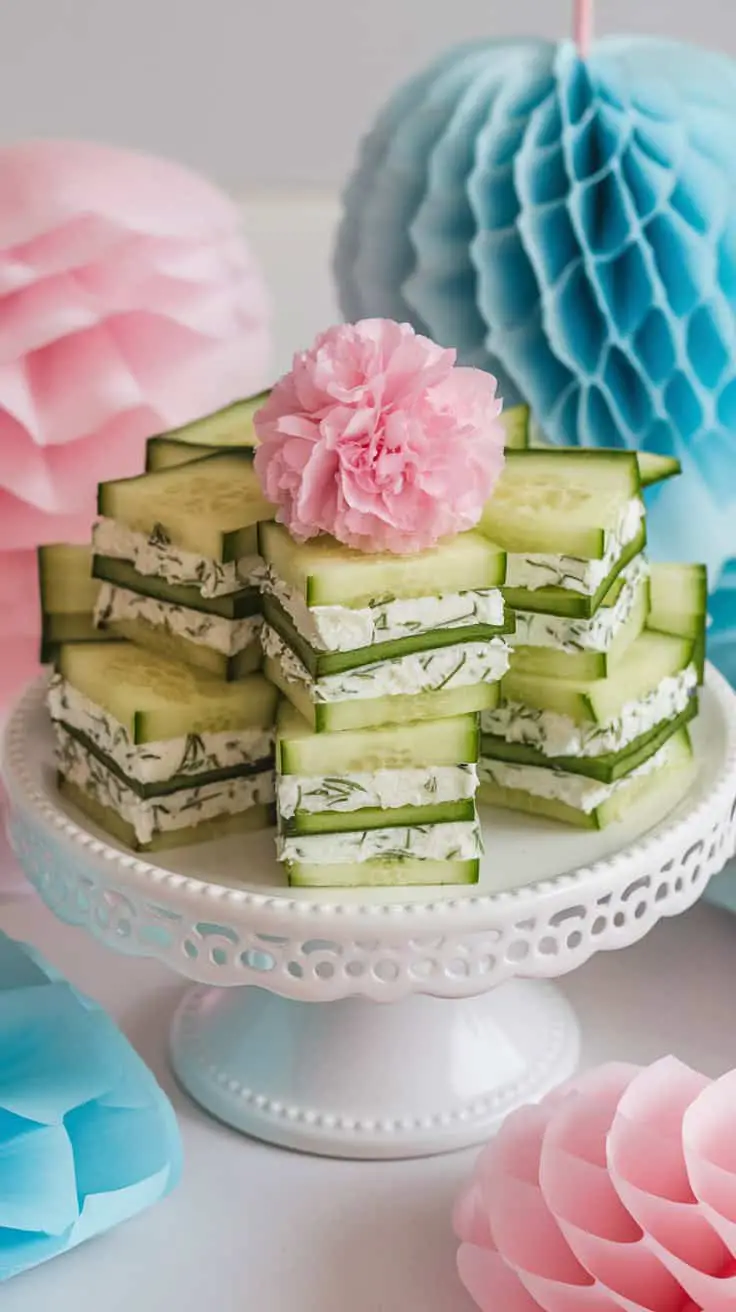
x: 281, y: 1036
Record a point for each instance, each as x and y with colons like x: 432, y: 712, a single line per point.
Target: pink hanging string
x: 583, y: 32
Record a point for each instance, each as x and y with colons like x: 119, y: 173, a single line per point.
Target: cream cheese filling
x: 558, y: 785
x: 458, y: 666
x: 382, y: 789
x: 346, y: 628
x: 148, y: 816
x: 559, y: 735
x: 228, y: 637
x: 457, y: 841
x: 155, y: 762
x: 541, y: 570
x: 596, y: 634
x: 155, y: 555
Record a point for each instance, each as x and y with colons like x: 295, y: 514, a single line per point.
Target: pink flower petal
x: 709, y: 1147
x: 414, y: 444
x: 61, y: 478
x: 523, y: 1227
x: 129, y: 304
x: 493, y: 1285
x: 648, y: 1170
x: 24, y: 525
x: 578, y: 1189
x: 37, y: 316
x: 79, y: 241
x: 19, y: 594
x: 575, y: 1298
x: 470, y: 1219
x: 47, y: 184
x: 18, y: 665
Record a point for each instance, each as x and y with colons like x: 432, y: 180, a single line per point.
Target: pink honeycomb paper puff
x: 616, y: 1194
x: 129, y: 304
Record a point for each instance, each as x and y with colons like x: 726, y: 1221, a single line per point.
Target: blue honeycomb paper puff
x: 380, y: 197
x: 722, y: 631
x: 87, y: 1137
x: 571, y: 226
x: 376, y: 252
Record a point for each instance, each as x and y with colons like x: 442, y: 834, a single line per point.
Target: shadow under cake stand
x: 283, y: 1035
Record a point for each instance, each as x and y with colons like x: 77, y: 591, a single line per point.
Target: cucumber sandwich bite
x: 355, y: 639
x: 176, y: 553
x: 570, y: 521
x: 390, y: 805
x: 160, y: 754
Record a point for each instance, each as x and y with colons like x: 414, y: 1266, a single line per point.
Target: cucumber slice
x: 648, y: 789
x: 325, y: 573
x: 652, y: 468
x: 574, y: 605
x: 615, y: 590
x: 58, y: 629
x: 65, y: 579
x: 655, y: 469
x: 299, y: 750
x: 173, y: 647
x: 679, y: 600
x: 340, y: 822
x: 229, y: 428
x: 257, y: 817
x: 231, y: 606
x: 607, y: 469
x: 210, y: 507
x: 608, y: 768
x: 155, y: 699
x: 515, y: 423
x: 680, y: 606
x: 650, y: 659
x: 323, y: 663
x: 164, y: 453
x: 329, y: 717
x: 585, y: 664
x: 560, y: 501
x: 382, y: 873
x: 68, y: 595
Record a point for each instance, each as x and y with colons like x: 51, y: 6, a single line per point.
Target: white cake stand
x: 473, y: 1029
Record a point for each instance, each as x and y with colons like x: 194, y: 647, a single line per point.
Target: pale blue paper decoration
x: 87, y: 1137
x: 571, y: 226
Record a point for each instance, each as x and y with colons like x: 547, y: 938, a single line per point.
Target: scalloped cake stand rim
x: 364, y: 910
x: 346, y: 1078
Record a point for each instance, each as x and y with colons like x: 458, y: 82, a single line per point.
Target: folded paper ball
x: 571, y: 225
x: 87, y: 1137
x: 129, y: 304
x: 616, y: 1194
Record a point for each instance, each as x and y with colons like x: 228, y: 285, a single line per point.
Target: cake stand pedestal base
x: 358, y: 1079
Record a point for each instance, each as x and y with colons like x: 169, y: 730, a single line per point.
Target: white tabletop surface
x: 253, y: 1226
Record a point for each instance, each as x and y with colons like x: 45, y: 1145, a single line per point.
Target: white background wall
x: 263, y: 92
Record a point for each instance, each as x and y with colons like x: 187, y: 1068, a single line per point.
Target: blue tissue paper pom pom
x: 87, y: 1137
x: 570, y: 225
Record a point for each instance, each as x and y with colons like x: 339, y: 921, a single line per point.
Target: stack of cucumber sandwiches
x: 211, y: 675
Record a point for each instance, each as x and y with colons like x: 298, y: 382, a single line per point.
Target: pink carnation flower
x: 376, y: 438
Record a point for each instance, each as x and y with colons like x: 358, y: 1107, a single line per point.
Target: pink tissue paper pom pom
x: 376, y: 438
x: 129, y: 304
x: 616, y: 1194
